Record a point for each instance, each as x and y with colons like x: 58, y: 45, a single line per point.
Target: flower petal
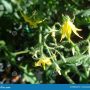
x: 74, y: 30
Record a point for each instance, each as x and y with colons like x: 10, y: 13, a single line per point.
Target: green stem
x: 68, y: 78
x: 40, y: 42
x: 21, y: 52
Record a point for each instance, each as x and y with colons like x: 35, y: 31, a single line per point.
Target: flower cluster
x: 43, y: 61
x: 67, y: 28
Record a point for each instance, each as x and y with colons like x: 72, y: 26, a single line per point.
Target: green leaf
x: 7, y: 6
x: 76, y: 60
x: 2, y: 43
x: 28, y: 76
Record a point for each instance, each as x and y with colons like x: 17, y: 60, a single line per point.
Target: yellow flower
x: 43, y: 61
x: 32, y: 22
x: 67, y: 28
